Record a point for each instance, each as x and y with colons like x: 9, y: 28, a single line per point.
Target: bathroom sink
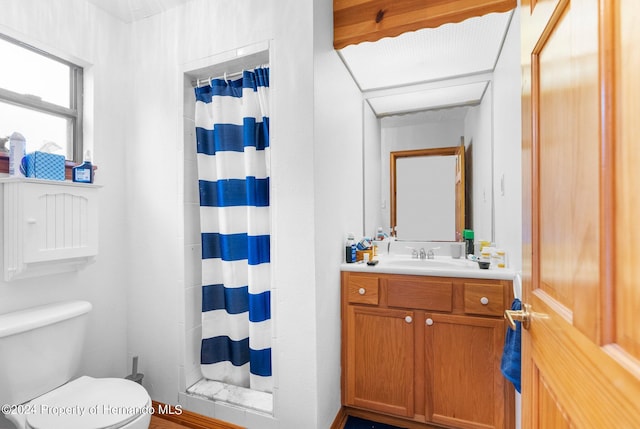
x: 441, y: 266
x: 447, y: 263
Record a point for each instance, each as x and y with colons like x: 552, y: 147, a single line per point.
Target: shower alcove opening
x: 198, y: 394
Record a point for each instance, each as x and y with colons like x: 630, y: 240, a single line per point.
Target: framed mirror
x: 420, y: 210
x: 432, y: 85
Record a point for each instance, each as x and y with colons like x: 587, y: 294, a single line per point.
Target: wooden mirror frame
x: 457, y: 151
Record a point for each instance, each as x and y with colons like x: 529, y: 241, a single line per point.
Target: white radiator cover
x: 49, y: 226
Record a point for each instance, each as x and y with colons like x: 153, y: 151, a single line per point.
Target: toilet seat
x: 90, y: 403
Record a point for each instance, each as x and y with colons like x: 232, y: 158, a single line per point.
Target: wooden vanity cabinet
x: 426, y: 349
x: 381, y: 359
x: 465, y: 388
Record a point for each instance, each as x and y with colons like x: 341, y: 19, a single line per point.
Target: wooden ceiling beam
x: 356, y: 21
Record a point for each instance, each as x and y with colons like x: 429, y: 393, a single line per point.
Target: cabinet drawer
x: 484, y: 299
x: 363, y: 290
x: 420, y: 294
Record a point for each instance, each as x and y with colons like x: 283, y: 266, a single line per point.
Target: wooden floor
x: 174, y: 417
x: 159, y: 423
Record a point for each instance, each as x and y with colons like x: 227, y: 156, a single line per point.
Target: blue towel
x: 511, y: 358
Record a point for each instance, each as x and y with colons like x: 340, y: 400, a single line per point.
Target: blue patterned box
x: 42, y: 165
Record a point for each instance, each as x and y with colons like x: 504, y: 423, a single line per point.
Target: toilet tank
x: 40, y: 349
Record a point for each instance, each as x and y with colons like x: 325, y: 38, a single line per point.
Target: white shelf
x: 49, y: 226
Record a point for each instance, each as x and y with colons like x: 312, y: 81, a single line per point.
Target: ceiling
x: 430, y: 68
x: 133, y: 10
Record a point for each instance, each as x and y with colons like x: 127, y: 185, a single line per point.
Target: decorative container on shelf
x: 43, y: 165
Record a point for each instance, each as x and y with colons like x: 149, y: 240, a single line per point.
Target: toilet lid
x: 90, y: 403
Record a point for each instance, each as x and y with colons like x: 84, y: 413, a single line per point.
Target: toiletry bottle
x: 467, y: 234
x: 380, y: 234
x: 350, y: 249
x: 17, y: 149
x: 83, y: 173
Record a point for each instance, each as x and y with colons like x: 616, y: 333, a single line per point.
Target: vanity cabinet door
x: 464, y: 386
x: 380, y: 359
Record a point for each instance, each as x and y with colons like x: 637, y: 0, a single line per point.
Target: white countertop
x: 441, y: 266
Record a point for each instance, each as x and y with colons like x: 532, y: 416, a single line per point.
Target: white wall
x: 338, y: 175
x: 163, y: 197
x: 507, y: 150
x: 66, y: 28
x: 375, y: 201
x: 310, y: 141
x: 507, y: 154
x: 296, y: 397
x: 478, y: 133
x: 77, y: 31
x: 138, y: 286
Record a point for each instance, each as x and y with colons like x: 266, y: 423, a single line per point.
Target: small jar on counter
x: 499, y: 259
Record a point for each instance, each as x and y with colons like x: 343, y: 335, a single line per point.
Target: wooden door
x: 464, y: 387
x: 581, y: 260
x: 380, y: 360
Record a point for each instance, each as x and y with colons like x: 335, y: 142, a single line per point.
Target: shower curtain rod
x: 225, y: 76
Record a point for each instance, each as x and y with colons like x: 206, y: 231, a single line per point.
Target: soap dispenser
x: 83, y: 173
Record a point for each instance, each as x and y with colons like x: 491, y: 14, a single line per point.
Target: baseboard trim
x: 176, y: 414
x: 340, y: 420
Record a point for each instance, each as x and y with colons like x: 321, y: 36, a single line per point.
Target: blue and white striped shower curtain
x: 232, y: 132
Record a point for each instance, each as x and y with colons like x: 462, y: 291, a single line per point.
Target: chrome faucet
x: 414, y: 252
x: 423, y: 254
x: 431, y: 254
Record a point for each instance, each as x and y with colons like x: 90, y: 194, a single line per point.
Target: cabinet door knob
x: 362, y: 291
x: 484, y: 300
x: 429, y: 321
x: 408, y: 319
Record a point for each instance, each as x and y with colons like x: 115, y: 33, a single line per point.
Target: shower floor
x: 239, y: 396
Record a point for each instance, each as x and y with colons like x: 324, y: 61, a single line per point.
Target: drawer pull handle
x: 408, y: 319
x: 362, y: 291
x: 484, y: 300
x: 429, y: 321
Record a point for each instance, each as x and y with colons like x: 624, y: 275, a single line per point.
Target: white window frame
x: 73, y: 114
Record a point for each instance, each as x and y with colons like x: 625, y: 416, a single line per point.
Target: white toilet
x: 40, y: 351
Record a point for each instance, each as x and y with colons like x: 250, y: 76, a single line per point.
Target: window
x: 41, y: 98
